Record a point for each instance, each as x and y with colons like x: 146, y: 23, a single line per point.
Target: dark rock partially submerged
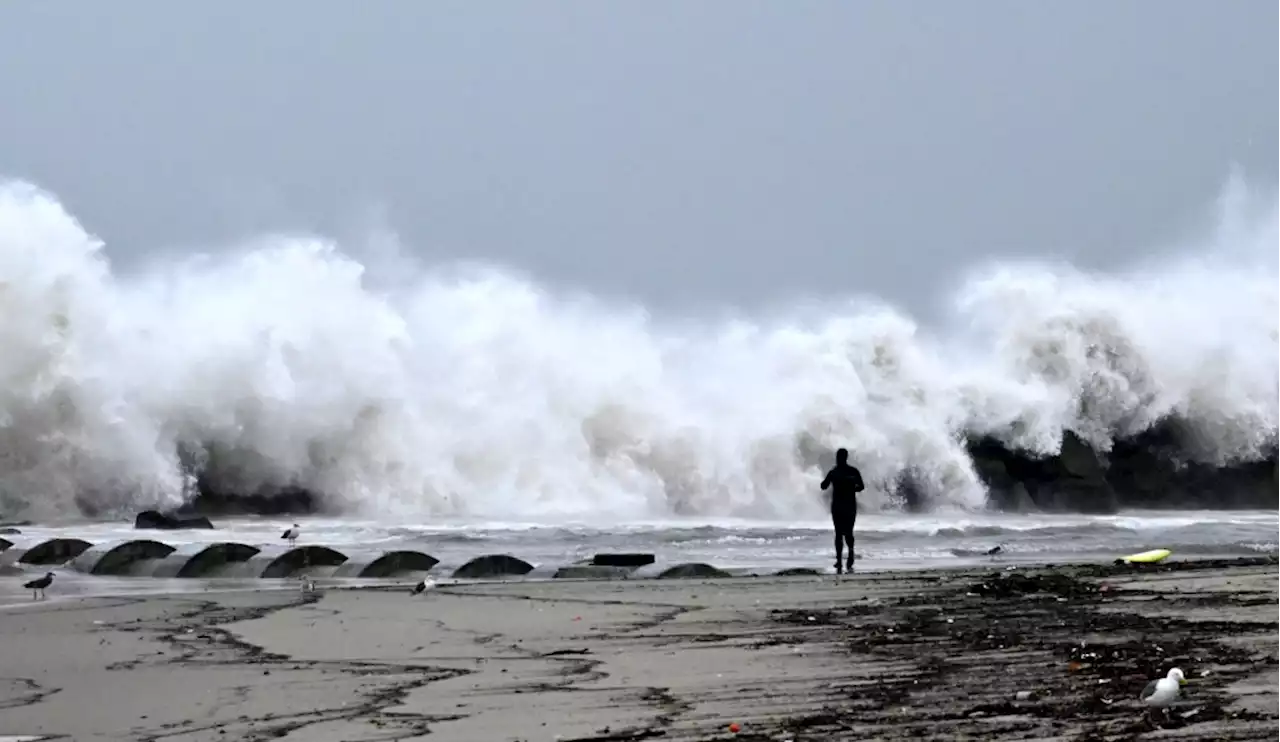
x: 226, y: 485
x: 1154, y: 469
x: 155, y: 520
x: 622, y: 560
x: 212, y: 499
x: 1075, y: 480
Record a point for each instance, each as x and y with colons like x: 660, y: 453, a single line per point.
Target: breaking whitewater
x: 282, y: 378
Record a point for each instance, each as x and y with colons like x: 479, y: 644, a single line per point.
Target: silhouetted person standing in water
x: 845, y: 482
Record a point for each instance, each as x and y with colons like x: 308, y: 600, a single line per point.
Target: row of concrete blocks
x: 147, y: 558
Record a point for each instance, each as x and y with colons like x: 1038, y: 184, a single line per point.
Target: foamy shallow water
x: 883, y: 541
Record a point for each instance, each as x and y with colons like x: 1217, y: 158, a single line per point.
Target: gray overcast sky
x: 678, y: 152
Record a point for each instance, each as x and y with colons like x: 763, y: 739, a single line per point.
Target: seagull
x: 38, y: 586
x: 1163, y: 692
x: 995, y: 550
x: 420, y: 588
x: 292, y: 533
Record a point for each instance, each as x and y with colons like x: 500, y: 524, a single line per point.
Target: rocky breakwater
x: 1155, y: 469
x: 216, y: 500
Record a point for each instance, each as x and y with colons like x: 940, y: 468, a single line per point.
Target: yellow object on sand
x: 1147, y: 557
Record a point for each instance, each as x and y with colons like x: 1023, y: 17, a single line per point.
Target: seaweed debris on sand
x: 1031, y: 654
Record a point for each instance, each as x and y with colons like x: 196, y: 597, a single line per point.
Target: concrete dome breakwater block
x: 137, y: 556
x: 387, y: 564
x: 492, y: 566
x: 588, y: 571
x: 606, y: 566
x: 275, y: 563
x: 54, y: 551
x: 234, y: 560
x: 798, y: 572
x: 203, y: 560
x: 685, y: 570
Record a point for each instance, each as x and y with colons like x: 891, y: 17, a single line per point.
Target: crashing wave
x: 280, y: 377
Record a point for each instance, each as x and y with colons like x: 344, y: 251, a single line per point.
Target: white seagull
x: 292, y: 533
x: 1163, y: 692
x: 421, y: 587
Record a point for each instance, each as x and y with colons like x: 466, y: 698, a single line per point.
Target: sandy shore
x: 926, y: 655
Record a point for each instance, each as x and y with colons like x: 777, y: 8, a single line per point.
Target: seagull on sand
x: 292, y: 533
x: 1163, y: 692
x: 37, y: 586
x: 421, y: 587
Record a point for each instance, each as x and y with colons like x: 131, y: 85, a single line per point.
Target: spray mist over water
x: 473, y: 392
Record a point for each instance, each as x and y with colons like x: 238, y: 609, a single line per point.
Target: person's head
x: 842, y: 456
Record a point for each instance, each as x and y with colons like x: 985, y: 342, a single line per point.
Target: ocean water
x: 891, y: 542
x: 883, y: 541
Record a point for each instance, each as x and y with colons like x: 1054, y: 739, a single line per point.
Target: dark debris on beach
x: 1031, y: 655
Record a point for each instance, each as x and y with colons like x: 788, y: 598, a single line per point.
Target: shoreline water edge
x: 92, y: 557
x: 993, y: 652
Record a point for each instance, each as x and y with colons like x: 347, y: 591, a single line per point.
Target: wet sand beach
x: 987, y: 653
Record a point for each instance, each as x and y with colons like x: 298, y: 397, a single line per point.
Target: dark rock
x: 211, y: 500
x: 155, y: 520
x: 798, y: 572
x: 622, y: 560
x: 1075, y: 480
x: 228, y: 482
x: 1019, y: 500
x: 591, y: 572
x: 692, y: 570
x: 1158, y: 468
x: 1079, y: 461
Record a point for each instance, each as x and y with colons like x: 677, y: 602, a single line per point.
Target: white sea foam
x: 469, y: 391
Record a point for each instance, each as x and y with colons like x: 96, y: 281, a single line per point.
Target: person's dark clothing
x: 845, y: 482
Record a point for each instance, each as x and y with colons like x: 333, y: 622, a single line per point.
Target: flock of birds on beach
x: 1157, y: 694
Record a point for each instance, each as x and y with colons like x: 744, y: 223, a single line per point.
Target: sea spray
x: 471, y: 391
